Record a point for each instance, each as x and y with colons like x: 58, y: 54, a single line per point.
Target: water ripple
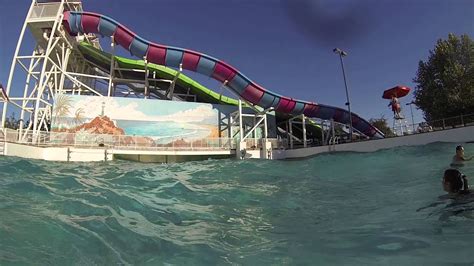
x: 329, y: 209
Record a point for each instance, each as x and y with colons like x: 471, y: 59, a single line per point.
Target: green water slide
x: 202, y: 93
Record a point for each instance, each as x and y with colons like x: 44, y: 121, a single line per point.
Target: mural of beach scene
x: 146, y: 121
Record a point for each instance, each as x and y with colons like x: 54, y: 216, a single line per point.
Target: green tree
x: 382, y: 125
x: 12, y: 122
x: 445, y: 83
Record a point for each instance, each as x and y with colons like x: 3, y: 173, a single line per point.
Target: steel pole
x: 347, y: 98
x: 412, y: 119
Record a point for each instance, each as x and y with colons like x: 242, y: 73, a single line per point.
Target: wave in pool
x: 341, y: 208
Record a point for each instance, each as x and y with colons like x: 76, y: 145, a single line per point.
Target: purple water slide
x: 87, y: 22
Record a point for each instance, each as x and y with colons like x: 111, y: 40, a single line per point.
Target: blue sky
x: 286, y: 45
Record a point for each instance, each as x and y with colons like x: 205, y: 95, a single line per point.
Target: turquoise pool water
x: 333, y: 209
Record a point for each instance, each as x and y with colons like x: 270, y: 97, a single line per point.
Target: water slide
x: 203, y: 94
x: 87, y: 22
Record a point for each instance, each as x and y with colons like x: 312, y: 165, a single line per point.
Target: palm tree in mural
x: 79, y: 116
x: 62, y: 105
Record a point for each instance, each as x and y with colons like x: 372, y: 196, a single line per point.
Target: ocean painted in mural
x: 145, y: 120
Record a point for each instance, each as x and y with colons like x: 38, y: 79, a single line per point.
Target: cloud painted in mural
x: 158, y: 120
x: 139, y: 110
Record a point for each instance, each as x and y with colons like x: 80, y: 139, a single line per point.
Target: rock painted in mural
x: 138, y: 121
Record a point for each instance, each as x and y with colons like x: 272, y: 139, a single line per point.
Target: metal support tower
x: 248, y: 123
x: 53, y: 67
x: 400, y: 125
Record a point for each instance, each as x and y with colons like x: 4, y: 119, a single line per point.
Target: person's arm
x: 442, y: 200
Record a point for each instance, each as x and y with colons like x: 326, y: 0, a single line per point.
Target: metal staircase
x: 400, y: 125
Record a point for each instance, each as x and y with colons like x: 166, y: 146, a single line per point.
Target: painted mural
x: 138, y: 120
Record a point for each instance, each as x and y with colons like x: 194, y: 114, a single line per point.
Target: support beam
x: 323, y: 141
x: 147, y: 92
x: 241, y: 131
x: 170, y: 93
x: 12, y: 68
x: 112, y: 66
x: 43, y: 77
x: 252, y: 130
x: 303, y: 119
x: 25, y: 91
x: 290, y: 126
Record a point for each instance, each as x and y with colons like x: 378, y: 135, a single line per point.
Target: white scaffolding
x: 45, y: 69
x: 400, y: 125
x: 55, y: 66
x: 250, y: 128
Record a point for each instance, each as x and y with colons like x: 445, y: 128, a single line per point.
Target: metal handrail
x: 428, y: 126
x: 63, y: 139
x: 130, y: 142
x: 440, y: 124
x: 152, y: 143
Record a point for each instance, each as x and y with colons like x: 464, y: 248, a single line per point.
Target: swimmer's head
x: 459, y: 150
x: 454, y: 181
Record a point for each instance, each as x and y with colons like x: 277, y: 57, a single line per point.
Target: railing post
x: 444, y: 125
x: 462, y: 121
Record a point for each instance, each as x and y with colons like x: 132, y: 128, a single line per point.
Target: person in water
x: 459, y: 158
x: 458, y: 201
x: 455, y: 182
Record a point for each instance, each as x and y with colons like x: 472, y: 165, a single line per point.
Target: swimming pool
x: 341, y: 208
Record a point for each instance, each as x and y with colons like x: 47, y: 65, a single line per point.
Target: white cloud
x: 197, y: 114
x: 92, y: 107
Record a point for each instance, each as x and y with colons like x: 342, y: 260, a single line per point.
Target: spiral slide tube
x: 87, y: 22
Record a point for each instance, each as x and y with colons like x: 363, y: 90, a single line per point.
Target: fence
x: 151, y: 143
x: 45, y: 10
x: 408, y: 129
x: 128, y: 142
x: 441, y: 124
x: 257, y: 143
x: 86, y: 140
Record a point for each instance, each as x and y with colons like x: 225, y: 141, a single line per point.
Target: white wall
x: 13, y: 149
x: 90, y: 155
x: 56, y: 154
x: 171, y: 152
x: 456, y: 135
